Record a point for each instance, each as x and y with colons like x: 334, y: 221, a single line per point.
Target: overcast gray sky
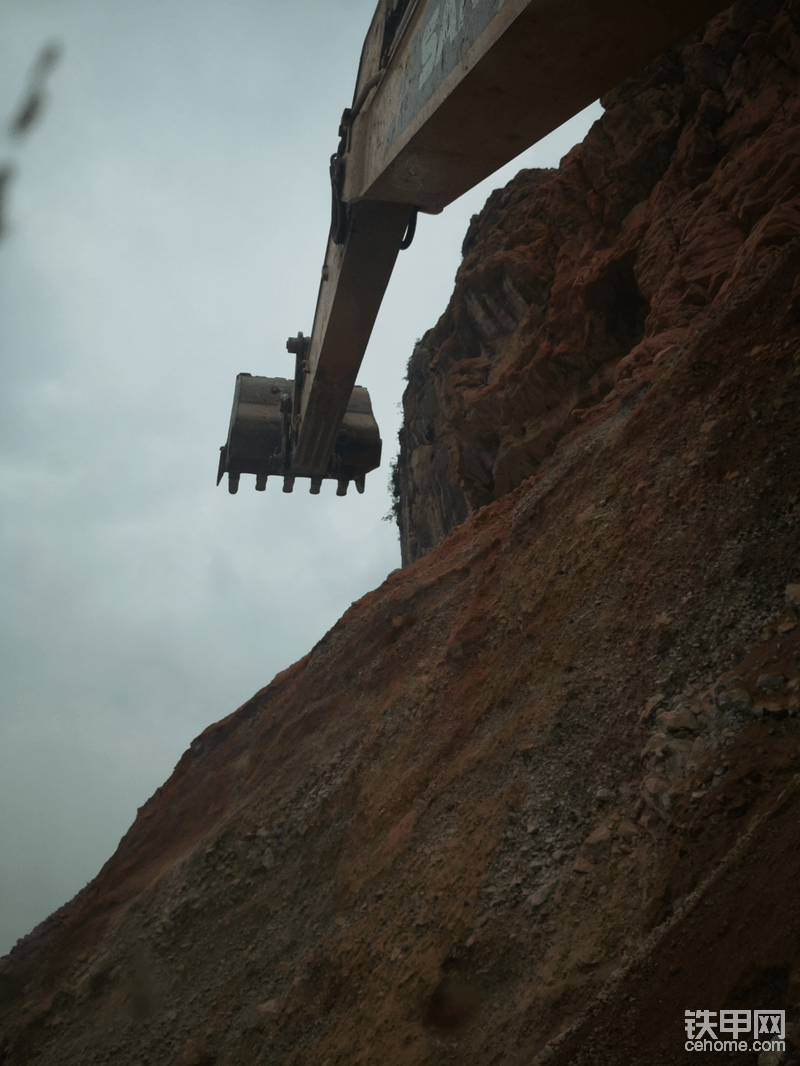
x: 166, y: 227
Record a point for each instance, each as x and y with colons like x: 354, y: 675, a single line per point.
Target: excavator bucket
x: 260, y: 437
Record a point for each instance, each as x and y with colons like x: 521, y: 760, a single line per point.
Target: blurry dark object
x: 25, y: 117
x: 31, y: 106
x: 48, y: 57
x: 27, y: 114
x: 6, y: 174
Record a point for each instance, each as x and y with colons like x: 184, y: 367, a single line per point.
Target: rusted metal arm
x: 472, y: 83
x: 354, y: 280
x: 447, y: 92
x: 462, y: 87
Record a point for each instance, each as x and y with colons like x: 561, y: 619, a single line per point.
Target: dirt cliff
x: 573, y: 281
x: 538, y: 794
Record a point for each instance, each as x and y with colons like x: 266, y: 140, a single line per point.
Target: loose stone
x: 771, y: 682
x: 735, y: 699
x: 542, y: 895
x: 680, y: 718
x: 598, y: 844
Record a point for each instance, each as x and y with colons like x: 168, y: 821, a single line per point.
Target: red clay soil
x: 577, y: 279
x: 528, y: 801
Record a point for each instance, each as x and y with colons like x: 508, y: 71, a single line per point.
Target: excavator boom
x: 447, y: 92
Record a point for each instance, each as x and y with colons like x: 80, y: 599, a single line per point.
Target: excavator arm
x: 447, y: 92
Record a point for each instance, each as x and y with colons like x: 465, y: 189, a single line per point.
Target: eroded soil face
x: 576, y: 280
x: 528, y: 801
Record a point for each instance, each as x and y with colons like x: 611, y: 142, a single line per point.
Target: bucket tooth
x: 233, y: 484
x: 316, y: 485
x: 288, y: 483
x: 341, y: 487
x: 359, y: 484
x: 261, y: 482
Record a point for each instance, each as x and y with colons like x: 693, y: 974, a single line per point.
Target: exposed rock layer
x: 576, y: 279
x: 528, y: 801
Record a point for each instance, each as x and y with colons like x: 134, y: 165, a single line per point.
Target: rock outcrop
x: 574, y: 281
x: 538, y: 794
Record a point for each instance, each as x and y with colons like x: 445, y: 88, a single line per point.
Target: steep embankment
x: 576, y: 280
x: 543, y: 782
